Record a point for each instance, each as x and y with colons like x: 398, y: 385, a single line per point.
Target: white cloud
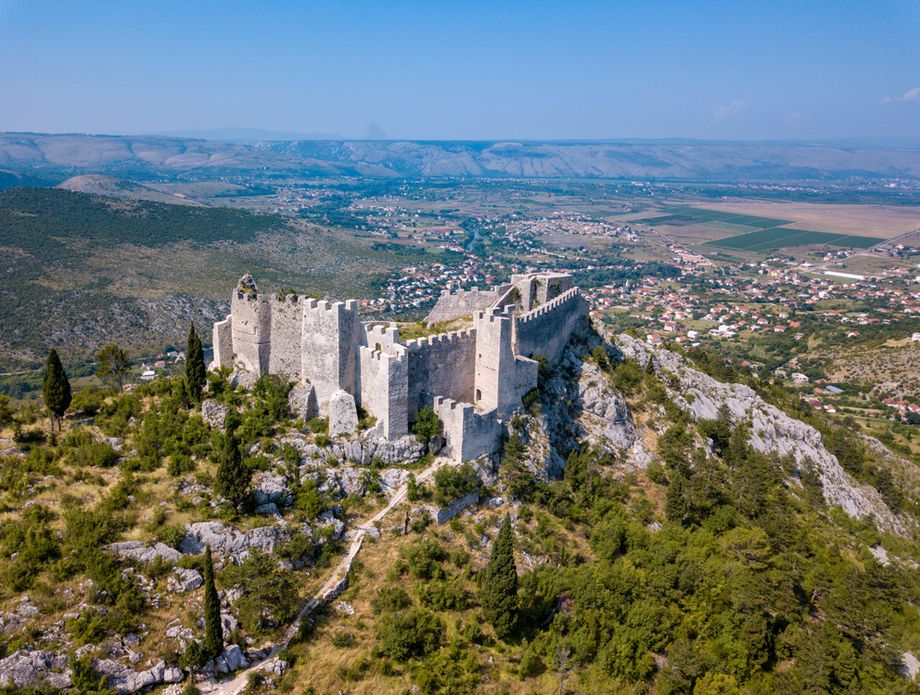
x: 911, y: 95
x: 723, y: 113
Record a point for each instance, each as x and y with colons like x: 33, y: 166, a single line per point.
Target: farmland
x: 773, y: 238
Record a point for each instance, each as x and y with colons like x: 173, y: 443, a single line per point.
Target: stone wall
x: 222, y: 339
x: 502, y: 378
x: 384, y: 388
x: 286, y: 332
x: 331, y: 333
x: 251, y: 330
x: 546, y: 329
x: 467, y: 433
x: 443, y: 364
x: 453, y: 305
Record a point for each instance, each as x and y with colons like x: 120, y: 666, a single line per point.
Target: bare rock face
x: 229, y: 542
x: 136, y: 550
x: 772, y: 431
x: 343, y: 415
x: 33, y: 669
x: 302, y: 402
x: 183, y: 580
x: 214, y: 413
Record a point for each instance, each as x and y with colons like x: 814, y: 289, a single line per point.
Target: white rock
x: 214, y: 413
x: 183, y: 580
x: 139, y: 552
x: 343, y: 415
x: 302, y: 402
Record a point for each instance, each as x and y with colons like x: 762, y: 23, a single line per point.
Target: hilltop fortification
x: 474, y: 379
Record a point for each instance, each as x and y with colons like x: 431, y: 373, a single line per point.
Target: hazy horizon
x: 590, y: 71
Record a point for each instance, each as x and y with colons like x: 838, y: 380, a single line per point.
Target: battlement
x: 440, y: 339
x: 552, y: 305
x: 315, y: 305
x: 495, y: 313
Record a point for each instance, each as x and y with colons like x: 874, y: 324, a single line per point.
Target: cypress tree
x: 233, y: 476
x: 195, y: 370
x: 56, y: 388
x: 213, y: 630
x: 498, y: 593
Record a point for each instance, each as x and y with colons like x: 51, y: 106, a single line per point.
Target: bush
x: 97, y: 454
x: 343, y: 639
x: 172, y: 535
x: 424, y: 558
x: 409, y: 633
x: 390, y: 599
x: 269, y: 593
x: 318, y: 425
x: 447, y: 595
x: 453, y: 482
x: 426, y: 425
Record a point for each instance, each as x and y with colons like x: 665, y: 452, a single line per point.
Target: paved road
x: 333, y: 585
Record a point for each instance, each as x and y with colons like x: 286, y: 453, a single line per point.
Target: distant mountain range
x: 25, y: 157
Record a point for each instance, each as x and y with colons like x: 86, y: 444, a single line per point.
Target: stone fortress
x: 473, y: 378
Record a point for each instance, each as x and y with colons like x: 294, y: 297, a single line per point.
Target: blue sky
x: 465, y: 70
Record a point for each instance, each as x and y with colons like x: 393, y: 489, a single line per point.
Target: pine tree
x: 195, y: 370
x: 56, y: 388
x: 498, y: 594
x: 233, y: 476
x: 213, y: 629
x: 113, y: 365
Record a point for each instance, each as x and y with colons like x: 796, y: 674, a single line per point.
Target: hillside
x: 83, y: 270
x: 670, y: 533
x: 156, y: 156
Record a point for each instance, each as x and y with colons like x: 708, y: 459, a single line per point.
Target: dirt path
x: 335, y: 584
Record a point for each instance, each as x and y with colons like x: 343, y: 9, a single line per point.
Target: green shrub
x: 453, y: 482
x: 409, y: 633
x: 390, y: 598
x: 318, y: 425
x: 343, y: 639
x: 424, y: 558
x: 427, y: 425
x: 269, y: 593
x: 445, y: 595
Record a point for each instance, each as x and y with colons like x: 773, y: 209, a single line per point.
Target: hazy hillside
x: 82, y: 270
x: 70, y: 154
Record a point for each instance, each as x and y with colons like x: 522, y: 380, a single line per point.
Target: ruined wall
x: 286, y: 332
x: 383, y: 335
x: 442, y: 364
x: 467, y: 433
x: 251, y: 330
x: 502, y: 378
x: 222, y: 340
x: 383, y: 390
x: 452, y: 305
x: 547, y: 329
x: 330, y: 338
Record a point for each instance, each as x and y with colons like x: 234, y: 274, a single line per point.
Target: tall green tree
x: 499, y: 591
x: 113, y: 365
x: 233, y: 476
x: 213, y: 629
x: 56, y: 388
x: 195, y: 370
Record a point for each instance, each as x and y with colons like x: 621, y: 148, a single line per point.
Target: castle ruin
x: 474, y: 378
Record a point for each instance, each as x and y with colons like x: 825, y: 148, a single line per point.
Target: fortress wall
x: 329, y: 342
x: 502, y: 378
x: 286, y: 328
x: 251, y: 330
x: 222, y: 340
x: 546, y: 329
x: 444, y: 364
x: 452, y: 305
x: 384, y: 388
x: 467, y: 433
x: 385, y: 336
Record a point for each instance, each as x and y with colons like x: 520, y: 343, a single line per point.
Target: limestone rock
x: 28, y: 669
x: 136, y: 550
x: 343, y: 415
x: 772, y: 431
x: 230, y: 542
x: 271, y: 487
x: 214, y: 413
x: 302, y: 401
x: 243, y: 377
x: 232, y: 659
x: 183, y: 580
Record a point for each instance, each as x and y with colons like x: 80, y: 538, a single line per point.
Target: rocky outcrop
x: 183, y: 580
x: 772, y: 431
x: 126, y: 680
x: 34, y: 669
x: 214, y: 413
x: 139, y: 552
x: 302, y: 401
x: 343, y: 415
x: 229, y: 542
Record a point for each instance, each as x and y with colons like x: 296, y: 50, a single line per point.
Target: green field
x: 783, y: 237
x: 681, y: 216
